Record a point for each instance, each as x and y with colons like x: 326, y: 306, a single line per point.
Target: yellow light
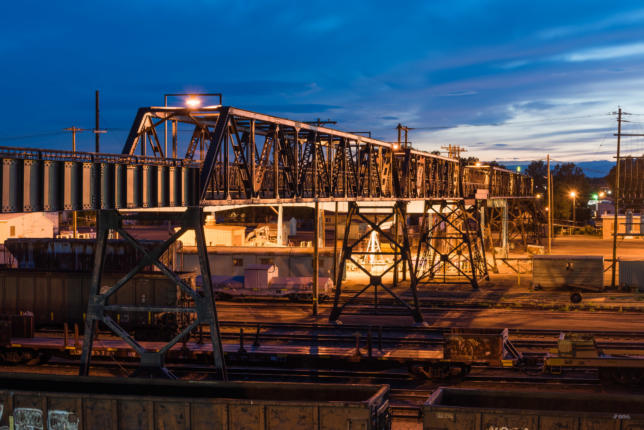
x: 396, y: 146
x: 477, y: 164
x: 573, y: 194
x: 193, y: 102
x: 602, y: 194
x: 538, y: 195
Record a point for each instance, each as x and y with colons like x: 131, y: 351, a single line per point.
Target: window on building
x: 12, y: 230
x: 238, y: 261
x: 265, y: 261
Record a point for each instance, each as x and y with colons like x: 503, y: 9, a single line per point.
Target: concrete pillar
x: 280, y: 225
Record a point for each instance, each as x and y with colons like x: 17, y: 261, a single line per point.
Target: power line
x: 31, y: 136
x: 539, y: 121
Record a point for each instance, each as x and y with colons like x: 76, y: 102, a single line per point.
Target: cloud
x: 460, y: 93
x: 514, y: 64
x: 605, y: 53
x: 619, y: 19
x: 294, y: 108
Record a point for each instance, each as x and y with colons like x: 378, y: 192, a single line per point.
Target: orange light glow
x: 193, y: 102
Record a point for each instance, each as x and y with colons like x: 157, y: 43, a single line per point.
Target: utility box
x: 259, y: 276
x: 585, y: 272
x: 631, y: 274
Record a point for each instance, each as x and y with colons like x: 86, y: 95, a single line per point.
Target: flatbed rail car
x: 66, y: 402
x: 576, y: 350
x: 449, y: 354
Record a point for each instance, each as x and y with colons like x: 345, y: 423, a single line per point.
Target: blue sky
x: 508, y: 80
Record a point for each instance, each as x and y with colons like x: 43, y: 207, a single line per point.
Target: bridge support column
x: 516, y: 222
x: 365, y: 260
x: 450, y: 249
x: 202, y: 309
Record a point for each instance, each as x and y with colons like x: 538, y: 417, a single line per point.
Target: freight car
x: 432, y: 353
x: 263, y: 280
x: 489, y: 409
x: 580, y: 351
x: 56, y: 298
x: 64, y: 402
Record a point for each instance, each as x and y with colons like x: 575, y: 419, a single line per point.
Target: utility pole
x: 97, y: 130
x: 615, y: 218
x: 619, y: 134
x: 74, y: 130
x: 318, y: 122
x: 402, y: 128
x: 454, y: 151
x: 549, y: 206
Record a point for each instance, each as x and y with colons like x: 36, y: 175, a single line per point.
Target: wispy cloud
x: 619, y: 19
x: 605, y: 53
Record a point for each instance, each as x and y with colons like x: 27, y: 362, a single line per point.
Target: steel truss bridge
x: 221, y: 155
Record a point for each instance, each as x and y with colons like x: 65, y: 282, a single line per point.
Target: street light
x: 193, y: 101
x: 596, y: 198
x: 573, y: 195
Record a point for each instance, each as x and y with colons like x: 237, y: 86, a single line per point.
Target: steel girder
x: 352, y: 251
x: 152, y: 363
x: 631, y: 182
x: 252, y: 156
x: 237, y: 156
x: 525, y: 222
x: 496, y: 181
x: 450, y: 247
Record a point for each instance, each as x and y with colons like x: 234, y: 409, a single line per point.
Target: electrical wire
x: 31, y: 136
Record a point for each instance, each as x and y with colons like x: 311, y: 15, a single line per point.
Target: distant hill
x: 592, y: 169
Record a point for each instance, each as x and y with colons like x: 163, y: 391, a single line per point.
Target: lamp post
x: 573, y: 195
x: 193, y: 101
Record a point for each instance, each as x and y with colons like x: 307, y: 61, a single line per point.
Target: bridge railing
x: 88, y: 157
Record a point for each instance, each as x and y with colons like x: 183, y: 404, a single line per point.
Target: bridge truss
x: 222, y: 155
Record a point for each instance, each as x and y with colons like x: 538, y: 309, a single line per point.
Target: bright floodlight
x: 193, y: 102
x: 395, y: 147
x: 477, y: 164
x: 573, y: 194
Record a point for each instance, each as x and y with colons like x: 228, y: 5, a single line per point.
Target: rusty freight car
x: 460, y: 408
x: 64, y: 402
x: 56, y: 298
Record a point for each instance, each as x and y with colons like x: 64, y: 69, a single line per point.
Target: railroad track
x: 300, y: 333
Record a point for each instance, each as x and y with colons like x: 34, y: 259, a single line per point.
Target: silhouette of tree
x: 538, y: 170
